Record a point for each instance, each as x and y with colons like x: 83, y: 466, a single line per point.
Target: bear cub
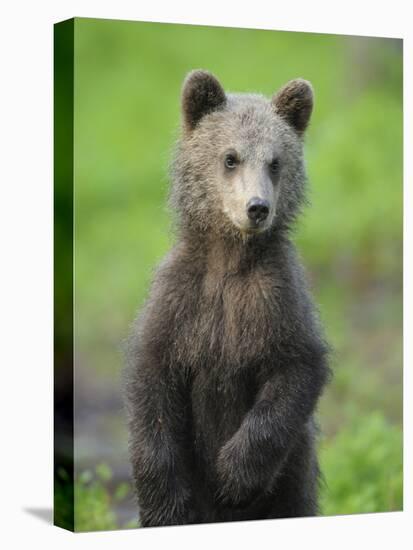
x: 227, y: 360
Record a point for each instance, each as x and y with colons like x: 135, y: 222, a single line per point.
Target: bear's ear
x: 294, y: 103
x: 201, y: 94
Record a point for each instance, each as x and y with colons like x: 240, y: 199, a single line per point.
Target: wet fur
x: 227, y: 360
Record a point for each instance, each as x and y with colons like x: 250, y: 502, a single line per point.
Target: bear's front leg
x: 248, y: 463
x: 243, y: 465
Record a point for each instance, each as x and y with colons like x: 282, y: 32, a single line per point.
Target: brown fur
x: 227, y: 360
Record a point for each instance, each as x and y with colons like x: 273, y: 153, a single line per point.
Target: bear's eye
x: 230, y: 161
x: 274, y: 166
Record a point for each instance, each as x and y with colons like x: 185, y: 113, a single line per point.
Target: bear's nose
x: 258, y: 209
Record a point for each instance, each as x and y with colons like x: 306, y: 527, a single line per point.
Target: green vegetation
x: 95, y: 500
x: 63, y: 512
x: 363, y: 468
x: 127, y: 83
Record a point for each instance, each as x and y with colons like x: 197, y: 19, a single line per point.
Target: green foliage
x: 362, y: 467
x: 95, y: 499
x: 355, y: 164
x: 63, y: 509
x: 92, y: 505
x: 103, y: 472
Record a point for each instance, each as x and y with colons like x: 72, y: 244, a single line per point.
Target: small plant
x: 95, y: 500
x: 362, y: 468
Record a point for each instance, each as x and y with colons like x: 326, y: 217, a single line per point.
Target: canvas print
x: 228, y: 274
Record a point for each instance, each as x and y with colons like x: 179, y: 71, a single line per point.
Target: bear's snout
x: 258, y: 209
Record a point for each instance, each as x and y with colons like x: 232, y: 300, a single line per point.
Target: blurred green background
x: 128, y: 77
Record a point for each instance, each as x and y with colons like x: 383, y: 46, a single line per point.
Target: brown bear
x: 227, y: 360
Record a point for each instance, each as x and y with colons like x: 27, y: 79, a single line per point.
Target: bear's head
x: 238, y: 168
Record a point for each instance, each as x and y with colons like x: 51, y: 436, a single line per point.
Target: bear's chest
x: 232, y: 324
